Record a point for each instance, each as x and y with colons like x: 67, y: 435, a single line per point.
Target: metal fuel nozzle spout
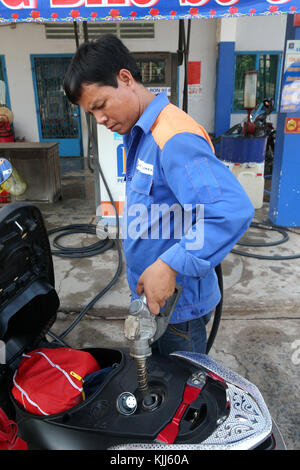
x: 142, y: 329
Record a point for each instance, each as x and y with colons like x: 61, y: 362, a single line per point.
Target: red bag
x: 49, y: 381
x: 8, y: 434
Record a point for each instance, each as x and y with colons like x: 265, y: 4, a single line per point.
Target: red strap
x: 169, y: 433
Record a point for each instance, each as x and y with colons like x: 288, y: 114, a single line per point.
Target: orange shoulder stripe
x: 172, y: 121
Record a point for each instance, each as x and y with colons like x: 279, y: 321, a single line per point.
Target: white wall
x: 254, y: 32
x: 202, y: 48
x: 18, y: 43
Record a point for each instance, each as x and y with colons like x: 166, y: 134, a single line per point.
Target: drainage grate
x: 124, y: 30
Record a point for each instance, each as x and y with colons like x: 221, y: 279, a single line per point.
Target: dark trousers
x: 186, y: 336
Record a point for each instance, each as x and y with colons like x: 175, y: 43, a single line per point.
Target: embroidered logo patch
x: 144, y: 167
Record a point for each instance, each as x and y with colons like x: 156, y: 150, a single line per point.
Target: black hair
x: 99, y: 62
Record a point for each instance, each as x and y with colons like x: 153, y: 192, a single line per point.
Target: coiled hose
x: 266, y: 226
x: 97, y: 248
x: 260, y: 225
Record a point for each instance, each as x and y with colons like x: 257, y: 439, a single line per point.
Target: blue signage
x: 290, y: 100
x: 142, y: 10
x: 121, y: 163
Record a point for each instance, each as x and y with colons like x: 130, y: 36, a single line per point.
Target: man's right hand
x: 158, y: 283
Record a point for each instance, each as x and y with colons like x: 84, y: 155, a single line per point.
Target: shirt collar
x: 152, y: 111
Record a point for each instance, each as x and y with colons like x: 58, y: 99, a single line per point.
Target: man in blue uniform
x: 184, y: 209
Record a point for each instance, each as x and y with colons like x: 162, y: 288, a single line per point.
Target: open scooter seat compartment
x: 28, y: 300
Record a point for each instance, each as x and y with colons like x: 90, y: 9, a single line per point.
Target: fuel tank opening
x: 151, y: 402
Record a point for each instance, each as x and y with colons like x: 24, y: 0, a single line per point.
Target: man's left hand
x: 158, y: 283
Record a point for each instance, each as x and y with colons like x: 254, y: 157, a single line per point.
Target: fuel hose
x: 92, y: 250
x: 267, y: 226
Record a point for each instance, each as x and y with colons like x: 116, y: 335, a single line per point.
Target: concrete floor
x: 259, y: 335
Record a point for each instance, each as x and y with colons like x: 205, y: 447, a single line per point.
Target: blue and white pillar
x: 225, y: 74
x: 284, y: 206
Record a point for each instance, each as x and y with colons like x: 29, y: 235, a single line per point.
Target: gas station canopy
x: 41, y: 11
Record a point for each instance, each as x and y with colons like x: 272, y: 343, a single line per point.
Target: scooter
x: 186, y: 401
x: 258, y: 126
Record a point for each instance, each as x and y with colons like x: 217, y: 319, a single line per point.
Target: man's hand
x: 158, y: 282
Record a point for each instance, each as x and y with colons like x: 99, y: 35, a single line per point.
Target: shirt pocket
x: 203, y: 181
x: 141, y: 189
x: 139, y: 200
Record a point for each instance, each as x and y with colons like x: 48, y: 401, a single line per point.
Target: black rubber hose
x: 98, y: 296
x: 109, y: 243
x: 80, y: 252
x: 261, y: 225
x: 266, y: 226
x: 218, y: 311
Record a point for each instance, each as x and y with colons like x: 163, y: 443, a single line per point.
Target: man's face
x: 116, y: 108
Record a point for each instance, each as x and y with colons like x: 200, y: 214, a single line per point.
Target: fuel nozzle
x: 142, y: 329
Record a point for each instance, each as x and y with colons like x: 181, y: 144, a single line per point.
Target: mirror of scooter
x: 5, y: 170
x: 256, y: 112
x: 264, y: 108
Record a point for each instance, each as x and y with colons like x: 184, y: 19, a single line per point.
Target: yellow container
x: 15, y: 184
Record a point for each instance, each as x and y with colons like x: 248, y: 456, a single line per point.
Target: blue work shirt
x: 182, y: 205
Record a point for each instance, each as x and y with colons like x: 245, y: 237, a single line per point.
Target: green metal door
x: 58, y: 119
